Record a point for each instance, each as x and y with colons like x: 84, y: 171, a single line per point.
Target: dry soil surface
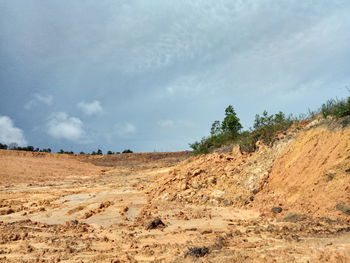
x: 70, y: 210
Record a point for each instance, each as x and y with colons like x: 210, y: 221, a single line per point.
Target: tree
x: 231, y: 123
x: 109, y: 152
x: 30, y: 149
x: 264, y: 120
x: 215, y: 128
x: 3, y: 146
x: 127, y: 151
x: 99, y: 152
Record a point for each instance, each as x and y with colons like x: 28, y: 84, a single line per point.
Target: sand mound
x: 305, y: 171
x: 34, y: 167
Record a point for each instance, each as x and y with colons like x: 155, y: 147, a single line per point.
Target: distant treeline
x: 15, y: 147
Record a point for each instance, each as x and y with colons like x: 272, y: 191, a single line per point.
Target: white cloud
x: 166, y: 123
x: 60, y: 125
x: 9, y: 133
x: 90, y: 108
x: 124, y: 129
x: 169, y: 124
x: 39, y: 99
x: 44, y: 99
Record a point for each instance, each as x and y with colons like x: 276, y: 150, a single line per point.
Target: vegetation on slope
x: 265, y: 128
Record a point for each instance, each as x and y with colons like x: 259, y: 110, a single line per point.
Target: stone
x: 155, y: 224
x: 342, y: 207
x: 276, y: 209
x: 293, y: 218
x: 330, y: 176
x: 197, y: 252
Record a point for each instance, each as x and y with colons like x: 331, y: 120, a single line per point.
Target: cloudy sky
x: 153, y: 75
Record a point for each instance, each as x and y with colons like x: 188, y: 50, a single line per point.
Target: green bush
x: 208, y: 144
x: 336, y: 108
x: 247, y: 141
x: 265, y: 128
x: 221, y: 133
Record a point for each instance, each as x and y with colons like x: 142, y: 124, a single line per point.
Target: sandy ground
x: 105, y: 217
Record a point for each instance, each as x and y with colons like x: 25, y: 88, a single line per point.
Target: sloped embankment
x: 221, y: 179
x: 307, y: 170
x: 312, y: 175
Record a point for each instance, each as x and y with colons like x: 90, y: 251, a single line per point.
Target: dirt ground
x: 60, y: 208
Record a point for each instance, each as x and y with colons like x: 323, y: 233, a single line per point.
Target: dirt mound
x: 221, y: 178
x: 141, y: 160
x: 306, y: 171
x: 312, y: 175
x: 34, y: 167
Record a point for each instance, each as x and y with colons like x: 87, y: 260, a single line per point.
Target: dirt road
x: 106, y: 217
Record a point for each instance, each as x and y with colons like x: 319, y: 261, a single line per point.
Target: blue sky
x: 153, y: 75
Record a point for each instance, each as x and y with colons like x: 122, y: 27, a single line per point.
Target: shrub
x: 65, y: 152
x: 247, y: 141
x: 336, y: 108
x: 48, y: 150
x: 266, y: 126
x: 127, y: 151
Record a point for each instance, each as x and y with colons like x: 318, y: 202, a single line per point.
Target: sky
x: 154, y: 75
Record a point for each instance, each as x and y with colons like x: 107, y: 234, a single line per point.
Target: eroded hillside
x: 286, y: 203
x: 307, y: 170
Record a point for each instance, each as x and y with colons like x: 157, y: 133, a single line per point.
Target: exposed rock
x: 345, y: 208
x: 293, y: 218
x: 197, y: 252
x: 276, y: 209
x: 155, y: 224
x: 330, y: 176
